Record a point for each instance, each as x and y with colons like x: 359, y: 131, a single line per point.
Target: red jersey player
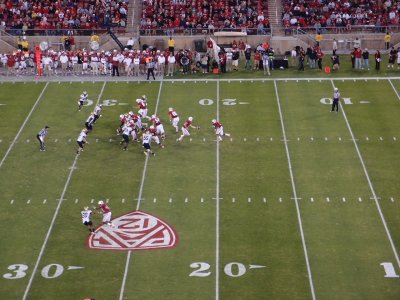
x: 173, y: 118
x: 219, y: 129
x: 105, y: 209
x: 185, y: 128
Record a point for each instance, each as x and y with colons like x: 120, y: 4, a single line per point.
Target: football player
x: 185, y: 128
x: 173, y: 118
x: 146, y: 138
x: 86, y: 214
x: 219, y: 129
x: 106, y: 211
x: 82, y: 98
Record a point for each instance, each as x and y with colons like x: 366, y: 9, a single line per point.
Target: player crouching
x: 219, y: 129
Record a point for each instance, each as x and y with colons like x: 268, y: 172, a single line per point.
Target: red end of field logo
x: 134, y: 231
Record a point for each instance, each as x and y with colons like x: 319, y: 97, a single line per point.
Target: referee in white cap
x: 41, y: 135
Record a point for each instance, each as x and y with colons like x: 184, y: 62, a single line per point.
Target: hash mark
x: 123, y: 200
x: 271, y: 139
x: 91, y: 201
x: 56, y: 140
x: 186, y: 200
x: 190, y: 139
x: 391, y: 199
x: 311, y: 138
x: 326, y: 138
x: 107, y: 200
x: 381, y: 138
x: 359, y: 199
x: 394, y: 138
x: 265, y: 200
x: 44, y: 201
x: 202, y: 200
x: 170, y: 200
x: 27, y: 140
x: 29, y: 201
x: 249, y: 200
x: 76, y: 201
x: 258, y: 139
x: 367, y: 138
x: 298, y: 139
x: 340, y: 138
x: 244, y: 139
x: 233, y: 200
x: 154, y: 200
x: 312, y: 199
x: 344, y: 199
x: 12, y: 201
x: 280, y: 199
x: 327, y: 199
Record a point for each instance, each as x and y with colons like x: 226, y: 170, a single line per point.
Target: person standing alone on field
x: 86, y: 219
x: 335, y: 103
x: 41, y: 135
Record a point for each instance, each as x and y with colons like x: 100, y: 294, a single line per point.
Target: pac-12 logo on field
x: 134, y: 231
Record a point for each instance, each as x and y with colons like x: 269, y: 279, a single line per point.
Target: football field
x: 297, y: 203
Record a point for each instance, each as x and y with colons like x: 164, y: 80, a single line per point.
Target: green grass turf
x: 256, y: 221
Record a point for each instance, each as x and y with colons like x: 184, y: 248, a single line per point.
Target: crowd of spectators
x: 173, y: 16
x: 18, y: 16
x: 340, y: 14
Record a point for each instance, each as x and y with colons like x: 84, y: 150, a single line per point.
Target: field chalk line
x: 128, y: 257
x: 303, y: 240
x: 23, y: 124
x: 55, y: 216
x: 217, y: 238
x: 371, y: 187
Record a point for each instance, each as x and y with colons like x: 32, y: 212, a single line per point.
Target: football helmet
x: 190, y: 119
x: 101, y: 202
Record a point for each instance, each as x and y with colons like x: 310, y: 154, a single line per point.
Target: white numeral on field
x: 49, y: 272
x: 206, y: 102
x: 239, y: 269
x: 201, y: 267
x: 389, y: 270
x: 329, y: 101
x: 233, y: 269
x: 18, y: 271
x: 57, y: 271
x: 229, y: 102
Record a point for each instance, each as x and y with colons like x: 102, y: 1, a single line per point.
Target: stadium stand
x: 52, y: 15
x: 185, y: 15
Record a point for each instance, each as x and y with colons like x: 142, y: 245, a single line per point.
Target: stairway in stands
x: 275, y: 8
x: 134, y: 13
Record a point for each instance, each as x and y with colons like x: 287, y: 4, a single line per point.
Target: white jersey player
x: 83, y: 97
x: 86, y: 214
x: 146, y: 138
x: 126, y: 132
x: 173, y: 118
x: 81, y: 140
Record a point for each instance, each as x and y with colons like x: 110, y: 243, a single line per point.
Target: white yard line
x: 217, y: 209
x: 371, y: 187
x: 303, y: 240
x: 128, y: 257
x: 72, y: 168
x: 23, y: 125
x: 394, y: 89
